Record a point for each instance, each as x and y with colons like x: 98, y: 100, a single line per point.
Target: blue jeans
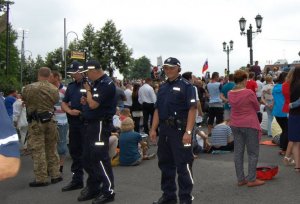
x: 270, y: 119
x: 62, y: 148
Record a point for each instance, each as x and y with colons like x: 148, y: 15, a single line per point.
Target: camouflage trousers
x: 42, y: 142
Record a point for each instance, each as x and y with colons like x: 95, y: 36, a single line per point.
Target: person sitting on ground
x: 116, y: 119
x: 221, y: 137
x: 131, y: 154
x: 124, y: 113
x: 201, y: 143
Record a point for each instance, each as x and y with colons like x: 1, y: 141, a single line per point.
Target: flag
x: 205, y: 66
x: 3, y: 19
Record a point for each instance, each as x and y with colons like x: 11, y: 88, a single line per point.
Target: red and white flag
x: 205, y: 66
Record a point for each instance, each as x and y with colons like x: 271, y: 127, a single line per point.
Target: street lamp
x: 242, y: 22
x: 65, y: 45
x: 228, y: 49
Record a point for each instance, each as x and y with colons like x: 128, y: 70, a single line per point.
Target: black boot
x: 72, y: 186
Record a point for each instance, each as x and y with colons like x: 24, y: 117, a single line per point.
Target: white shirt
x: 146, y: 94
x: 259, y: 88
x: 128, y: 94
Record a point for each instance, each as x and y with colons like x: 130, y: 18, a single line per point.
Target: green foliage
x: 139, y: 69
x: 110, y: 50
x: 54, y: 60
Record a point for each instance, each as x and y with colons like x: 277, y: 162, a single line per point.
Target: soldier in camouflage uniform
x: 40, y: 98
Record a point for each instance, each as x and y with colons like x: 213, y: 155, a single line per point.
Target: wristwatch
x: 188, y: 132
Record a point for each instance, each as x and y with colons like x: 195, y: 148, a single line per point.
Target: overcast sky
x: 190, y: 30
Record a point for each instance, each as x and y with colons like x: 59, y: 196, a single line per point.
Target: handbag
x: 266, y: 172
x: 22, y: 120
x: 137, y: 114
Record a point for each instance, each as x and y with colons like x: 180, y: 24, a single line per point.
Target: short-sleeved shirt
x: 120, y: 95
x: 220, y: 134
x: 129, y: 152
x: 40, y: 97
x: 9, y: 141
x: 73, y: 95
x: 104, y: 93
x: 251, y: 84
x: 175, y: 98
x: 225, y: 89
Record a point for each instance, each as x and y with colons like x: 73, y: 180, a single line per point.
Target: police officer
x: 40, y: 98
x: 72, y: 106
x: 175, y: 114
x: 100, y: 107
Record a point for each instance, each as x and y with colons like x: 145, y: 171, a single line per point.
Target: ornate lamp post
x: 228, y: 49
x: 242, y: 22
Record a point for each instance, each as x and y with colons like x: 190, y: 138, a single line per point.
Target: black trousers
x: 96, y: 158
x: 148, y: 111
x: 76, y: 145
x: 284, y: 140
x: 172, y: 157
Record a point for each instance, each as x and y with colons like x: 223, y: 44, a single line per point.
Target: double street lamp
x: 242, y: 22
x: 65, y: 45
x: 228, y: 49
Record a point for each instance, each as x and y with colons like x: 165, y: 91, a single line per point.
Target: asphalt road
x: 214, y: 176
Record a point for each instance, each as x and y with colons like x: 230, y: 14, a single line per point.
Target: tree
x: 88, y: 41
x: 110, y: 50
x: 141, y: 68
x: 54, y: 60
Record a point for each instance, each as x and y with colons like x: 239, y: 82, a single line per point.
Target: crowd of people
x: 102, y: 122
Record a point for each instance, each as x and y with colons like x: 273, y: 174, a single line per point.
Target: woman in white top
x: 268, y: 101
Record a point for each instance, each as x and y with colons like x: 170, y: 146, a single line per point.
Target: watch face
x: 189, y: 132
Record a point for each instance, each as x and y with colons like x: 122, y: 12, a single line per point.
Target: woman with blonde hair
x: 245, y: 128
x: 129, y: 144
x: 268, y: 100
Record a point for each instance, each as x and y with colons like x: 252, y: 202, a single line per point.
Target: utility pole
x: 22, y: 56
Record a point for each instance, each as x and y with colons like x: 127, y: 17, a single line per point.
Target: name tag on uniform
x: 176, y: 88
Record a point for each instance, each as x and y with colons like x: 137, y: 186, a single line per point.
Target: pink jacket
x: 244, y: 107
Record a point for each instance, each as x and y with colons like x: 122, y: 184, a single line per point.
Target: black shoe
x: 87, y: 194
x: 56, y: 180
x: 104, y: 199
x: 72, y: 186
x: 38, y: 184
x: 164, y: 200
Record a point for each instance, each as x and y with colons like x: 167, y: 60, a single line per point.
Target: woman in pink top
x: 245, y: 128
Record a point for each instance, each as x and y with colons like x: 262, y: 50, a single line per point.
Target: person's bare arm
x: 9, y: 167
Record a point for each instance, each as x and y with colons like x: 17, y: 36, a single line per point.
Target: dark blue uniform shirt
x: 174, y: 99
x: 73, y: 95
x: 103, y: 91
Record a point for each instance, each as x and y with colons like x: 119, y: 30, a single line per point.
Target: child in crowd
x: 201, y: 144
x: 124, y: 113
x: 132, y: 148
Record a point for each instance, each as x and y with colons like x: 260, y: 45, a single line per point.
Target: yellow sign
x: 77, y: 55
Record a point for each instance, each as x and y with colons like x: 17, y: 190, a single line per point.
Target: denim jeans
x: 62, y: 148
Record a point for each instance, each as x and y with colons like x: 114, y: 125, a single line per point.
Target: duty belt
x: 174, y: 123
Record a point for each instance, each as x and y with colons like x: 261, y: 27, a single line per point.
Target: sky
x: 190, y: 30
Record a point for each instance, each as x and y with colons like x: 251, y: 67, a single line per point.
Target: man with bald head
x: 40, y: 98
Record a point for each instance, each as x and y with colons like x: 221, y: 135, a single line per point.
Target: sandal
x: 297, y: 170
x: 288, y: 161
x: 281, y: 152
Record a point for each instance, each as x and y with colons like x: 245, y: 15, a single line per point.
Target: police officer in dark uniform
x: 72, y: 106
x: 101, y: 106
x: 175, y: 114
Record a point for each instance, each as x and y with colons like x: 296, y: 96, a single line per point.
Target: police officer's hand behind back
x: 153, y: 136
